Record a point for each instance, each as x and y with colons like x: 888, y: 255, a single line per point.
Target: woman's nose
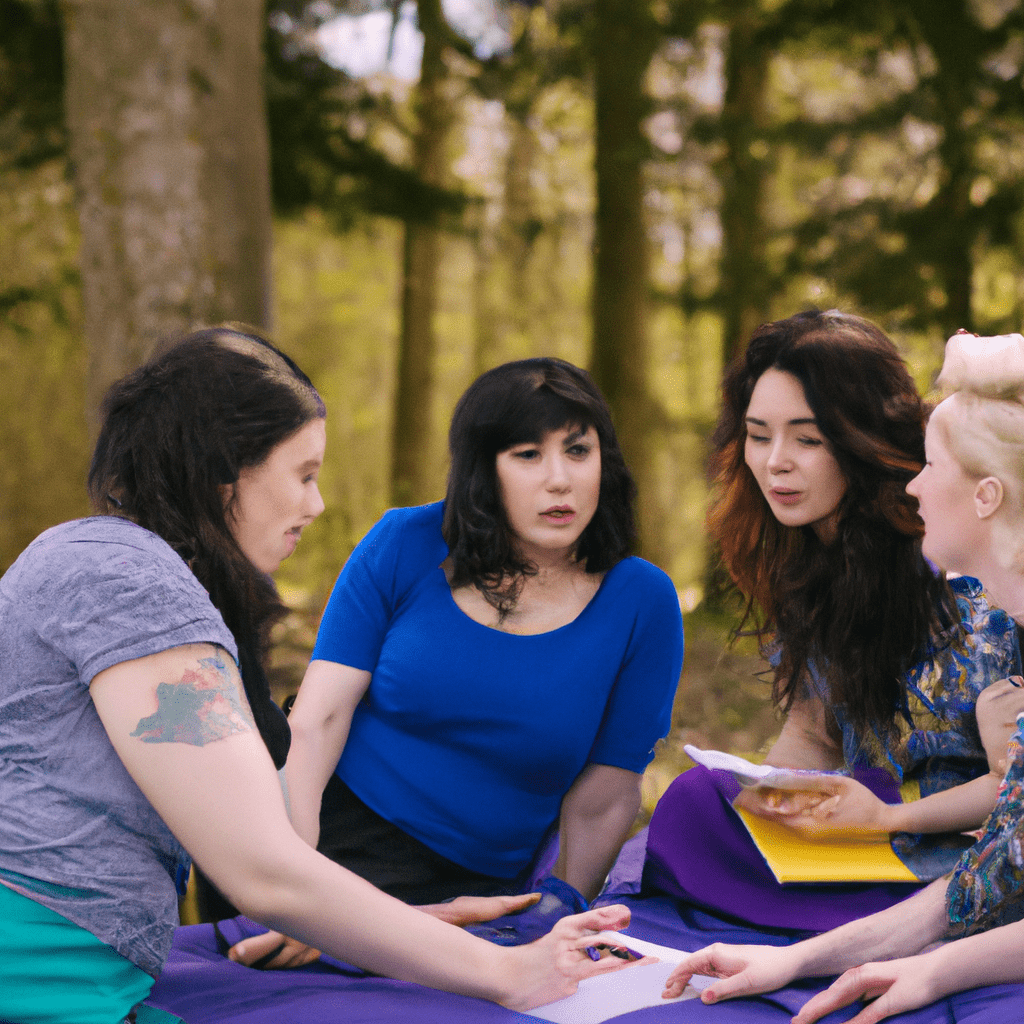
x: 558, y: 475
x: 778, y: 458
x: 315, y: 504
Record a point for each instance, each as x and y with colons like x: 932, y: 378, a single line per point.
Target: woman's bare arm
x: 804, y: 741
x: 320, y: 720
x: 835, y: 805
x: 597, y: 814
x: 180, y: 723
x: 899, y: 931
x: 896, y: 986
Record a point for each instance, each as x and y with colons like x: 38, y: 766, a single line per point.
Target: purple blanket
x: 203, y: 987
x: 704, y: 882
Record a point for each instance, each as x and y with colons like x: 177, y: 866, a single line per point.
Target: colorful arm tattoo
x: 204, y: 705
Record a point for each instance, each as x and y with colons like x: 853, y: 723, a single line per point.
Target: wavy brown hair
x: 174, y: 433
x: 862, y: 608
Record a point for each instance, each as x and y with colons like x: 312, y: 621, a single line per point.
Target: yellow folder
x: 792, y: 858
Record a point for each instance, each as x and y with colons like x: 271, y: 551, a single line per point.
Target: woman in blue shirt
x: 493, y: 665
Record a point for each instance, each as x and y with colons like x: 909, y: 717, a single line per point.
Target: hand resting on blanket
x: 292, y: 953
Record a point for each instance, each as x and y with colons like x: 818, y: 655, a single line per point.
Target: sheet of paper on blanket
x: 633, y: 988
x: 746, y: 772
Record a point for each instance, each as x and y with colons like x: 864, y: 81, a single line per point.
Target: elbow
x: 263, y: 884
x: 307, y: 731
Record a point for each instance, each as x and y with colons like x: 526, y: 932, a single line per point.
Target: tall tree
x: 165, y: 111
x: 928, y: 145
x: 410, y: 472
x: 624, y: 38
x: 743, y: 172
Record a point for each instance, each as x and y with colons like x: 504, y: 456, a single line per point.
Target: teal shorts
x: 54, y: 972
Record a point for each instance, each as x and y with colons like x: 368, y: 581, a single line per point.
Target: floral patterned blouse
x: 987, y: 888
x: 939, y: 746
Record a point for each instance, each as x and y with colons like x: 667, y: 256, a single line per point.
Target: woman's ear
x: 988, y: 496
x: 227, y: 495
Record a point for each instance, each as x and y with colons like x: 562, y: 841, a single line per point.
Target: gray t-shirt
x: 76, y: 833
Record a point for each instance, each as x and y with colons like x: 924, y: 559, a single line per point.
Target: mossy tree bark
x: 625, y: 36
x: 168, y: 138
x: 411, y: 478
x: 742, y: 171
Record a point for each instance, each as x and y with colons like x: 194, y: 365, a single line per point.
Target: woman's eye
x: 526, y: 454
x: 578, y: 451
x: 810, y: 442
x: 758, y: 438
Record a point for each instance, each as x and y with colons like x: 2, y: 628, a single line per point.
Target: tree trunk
x: 625, y: 38
x: 168, y: 138
x: 953, y: 33
x: 410, y: 465
x: 522, y: 224
x: 742, y: 173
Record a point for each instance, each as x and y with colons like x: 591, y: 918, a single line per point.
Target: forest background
x: 405, y: 193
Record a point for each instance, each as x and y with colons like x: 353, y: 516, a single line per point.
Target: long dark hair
x: 862, y: 608
x: 512, y: 404
x: 175, y: 432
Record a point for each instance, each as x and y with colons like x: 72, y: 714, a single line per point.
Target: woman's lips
x: 559, y: 515
x: 785, y: 497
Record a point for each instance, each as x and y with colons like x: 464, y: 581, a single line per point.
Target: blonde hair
x: 982, y: 425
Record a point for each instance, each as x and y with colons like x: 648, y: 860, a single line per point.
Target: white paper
x: 632, y: 988
x: 744, y: 770
x: 749, y: 774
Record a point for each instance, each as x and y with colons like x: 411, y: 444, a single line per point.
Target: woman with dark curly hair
x: 493, y: 665
x: 970, y: 493
x: 877, y: 660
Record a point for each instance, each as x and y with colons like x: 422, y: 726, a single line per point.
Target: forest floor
x: 723, y: 701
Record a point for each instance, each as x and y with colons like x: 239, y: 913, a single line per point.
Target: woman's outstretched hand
x: 894, y: 987
x: 742, y: 970
x: 554, y: 965
x: 465, y: 910
x: 273, y: 951
x: 819, y: 806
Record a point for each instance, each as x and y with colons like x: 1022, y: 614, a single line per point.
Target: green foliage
x: 45, y: 444
x: 31, y: 83
x: 337, y: 144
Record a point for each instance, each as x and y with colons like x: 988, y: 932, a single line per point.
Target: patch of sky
x: 370, y: 43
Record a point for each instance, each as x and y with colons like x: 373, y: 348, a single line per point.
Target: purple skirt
x: 699, y: 851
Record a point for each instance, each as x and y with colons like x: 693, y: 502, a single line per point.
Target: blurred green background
x: 629, y: 184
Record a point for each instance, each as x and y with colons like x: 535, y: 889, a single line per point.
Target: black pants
x: 353, y: 835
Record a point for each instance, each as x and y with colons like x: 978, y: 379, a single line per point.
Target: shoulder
x: 402, y: 545
x: 405, y: 536
x: 100, y: 546
x: 637, y: 588
x: 637, y: 574
x: 977, y: 613
x: 103, y: 590
x: 416, y: 525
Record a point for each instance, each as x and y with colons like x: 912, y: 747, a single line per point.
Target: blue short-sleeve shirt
x: 469, y: 737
